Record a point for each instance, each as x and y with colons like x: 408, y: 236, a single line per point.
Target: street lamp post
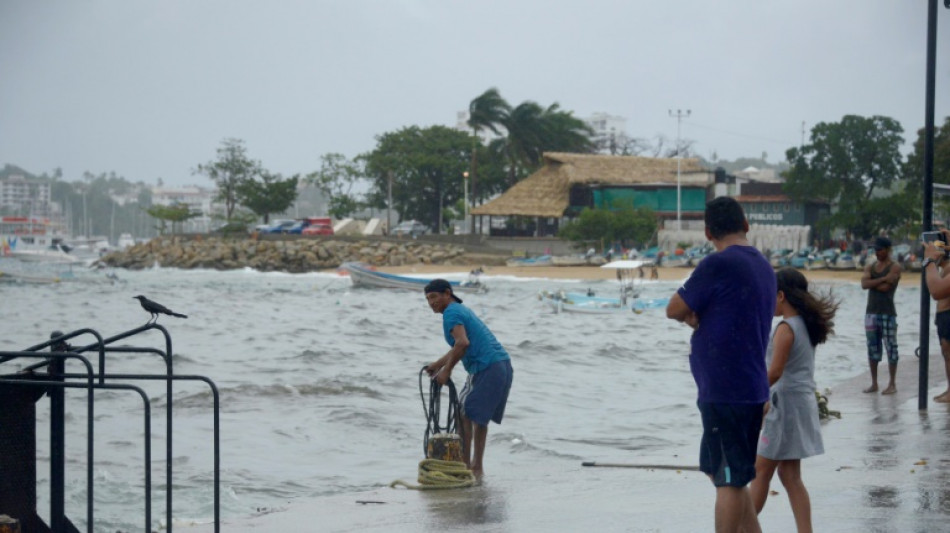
x: 465, y: 185
x: 679, y: 118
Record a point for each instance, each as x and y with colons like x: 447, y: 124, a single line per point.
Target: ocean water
x: 320, y: 392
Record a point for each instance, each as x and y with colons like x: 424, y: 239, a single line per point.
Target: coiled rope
x: 436, y: 473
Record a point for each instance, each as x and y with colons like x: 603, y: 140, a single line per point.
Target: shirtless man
x: 938, y: 283
x: 880, y: 279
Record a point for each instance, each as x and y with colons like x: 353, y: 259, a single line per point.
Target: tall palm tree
x: 485, y: 112
x: 529, y: 131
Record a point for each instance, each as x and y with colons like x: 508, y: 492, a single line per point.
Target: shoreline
x: 595, y: 273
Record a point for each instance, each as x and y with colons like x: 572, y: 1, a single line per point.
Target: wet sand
x: 885, y: 468
x: 594, y: 273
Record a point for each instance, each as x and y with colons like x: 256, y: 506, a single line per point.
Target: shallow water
x: 319, y: 383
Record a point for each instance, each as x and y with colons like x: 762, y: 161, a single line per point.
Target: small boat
x: 843, y: 261
x: 541, y: 260
x: 15, y: 277
x: 363, y: 275
x: 628, y: 273
x: 569, y: 260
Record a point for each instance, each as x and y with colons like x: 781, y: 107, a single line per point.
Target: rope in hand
x: 436, y: 473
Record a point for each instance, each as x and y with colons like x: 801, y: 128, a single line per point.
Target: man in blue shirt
x: 488, y: 365
x: 729, y: 301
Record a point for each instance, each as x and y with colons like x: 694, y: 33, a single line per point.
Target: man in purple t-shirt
x: 729, y: 301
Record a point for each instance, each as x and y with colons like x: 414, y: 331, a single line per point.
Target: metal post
x: 465, y: 184
x: 679, y: 118
x: 389, y: 205
x: 923, y: 369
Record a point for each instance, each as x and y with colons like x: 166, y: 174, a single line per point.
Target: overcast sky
x: 149, y: 89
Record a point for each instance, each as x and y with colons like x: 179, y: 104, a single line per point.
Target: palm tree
x: 529, y: 131
x: 484, y: 112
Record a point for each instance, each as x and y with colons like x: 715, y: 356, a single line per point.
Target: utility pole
x: 929, y: 111
x: 679, y: 208
x: 389, y: 204
x: 465, y: 217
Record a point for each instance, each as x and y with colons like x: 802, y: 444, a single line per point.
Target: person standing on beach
x: 729, y: 300
x: 488, y: 365
x: 880, y: 279
x: 791, y: 430
x: 938, y: 283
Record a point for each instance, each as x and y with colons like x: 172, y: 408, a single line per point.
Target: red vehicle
x: 318, y: 226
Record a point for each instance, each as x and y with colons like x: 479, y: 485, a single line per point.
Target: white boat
x: 363, y: 275
x: 33, y: 239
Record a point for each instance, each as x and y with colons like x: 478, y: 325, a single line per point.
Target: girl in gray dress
x: 791, y: 431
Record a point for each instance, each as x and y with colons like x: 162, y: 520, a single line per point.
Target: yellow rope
x: 438, y: 474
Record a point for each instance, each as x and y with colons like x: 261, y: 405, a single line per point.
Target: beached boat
x: 541, y: 260
x: 363, y: 275
x: 569, y: 260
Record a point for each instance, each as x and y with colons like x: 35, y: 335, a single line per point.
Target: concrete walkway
x: 886, y: 468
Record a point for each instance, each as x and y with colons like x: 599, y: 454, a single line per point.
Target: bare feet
x: 872, y: 388
x: 943, y: 398
x: 891, y: 389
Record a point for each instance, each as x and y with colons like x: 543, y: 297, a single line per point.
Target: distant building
x: 567, y: 183
x: 198, y: 200
x: 22, y: 196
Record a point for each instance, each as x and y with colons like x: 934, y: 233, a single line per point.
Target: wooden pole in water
x: 642, y: 467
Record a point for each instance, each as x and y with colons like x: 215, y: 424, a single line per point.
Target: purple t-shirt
x: 733, y: 294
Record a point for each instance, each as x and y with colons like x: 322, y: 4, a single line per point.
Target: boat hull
x: 362, y: 275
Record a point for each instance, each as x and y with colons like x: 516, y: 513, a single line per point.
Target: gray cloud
x: 149, y: 89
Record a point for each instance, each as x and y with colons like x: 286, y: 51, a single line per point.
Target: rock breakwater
x: 299, y: 255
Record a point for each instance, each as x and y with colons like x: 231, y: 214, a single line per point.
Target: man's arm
x: 679, y: 311
x: 939, y: 286
x: 866, y: 281
x: 441, y: 370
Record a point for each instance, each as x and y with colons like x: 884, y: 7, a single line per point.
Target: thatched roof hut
x: 546, y: 193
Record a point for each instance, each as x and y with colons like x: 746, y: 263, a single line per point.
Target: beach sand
x: 593, y: 273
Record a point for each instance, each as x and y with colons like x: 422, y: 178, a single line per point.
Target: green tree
x: 426, y: 166
x: 229, y: 171
x: 844, y: 164
x: 176, y: 214
x: 270, y: 194
x: 914, y: 167
x: 625, y: 225
x: 336, y: 179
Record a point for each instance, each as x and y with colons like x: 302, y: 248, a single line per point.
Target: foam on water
x: 319, y: 382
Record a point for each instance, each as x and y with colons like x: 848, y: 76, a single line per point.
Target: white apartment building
x: 198, y: 200
x: 19, y: 195
x: 606, y: 128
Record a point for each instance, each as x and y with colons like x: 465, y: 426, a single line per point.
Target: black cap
x: 881, y: 243
x: 440, y: 285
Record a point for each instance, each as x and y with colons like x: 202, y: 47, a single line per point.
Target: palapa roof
x: 546, y: 193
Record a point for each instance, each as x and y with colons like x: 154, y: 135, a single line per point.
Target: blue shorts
x: 485, y: 394
x: 730, y: 438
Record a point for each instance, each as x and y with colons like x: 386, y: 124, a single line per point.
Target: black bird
x: 156, y: 309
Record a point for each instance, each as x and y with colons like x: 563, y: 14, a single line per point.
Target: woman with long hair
x: 791, y: 429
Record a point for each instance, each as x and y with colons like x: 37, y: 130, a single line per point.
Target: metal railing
x: 56, y: 380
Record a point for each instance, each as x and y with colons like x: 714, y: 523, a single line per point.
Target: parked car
x: 412, y: 228
x: 318, y: 229
x: 278, y: 226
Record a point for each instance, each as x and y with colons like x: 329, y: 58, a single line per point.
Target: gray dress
x: 791, y: 429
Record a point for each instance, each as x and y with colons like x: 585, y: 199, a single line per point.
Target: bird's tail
x: 179, y: 315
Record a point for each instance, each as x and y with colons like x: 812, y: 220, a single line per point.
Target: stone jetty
x: 296, y: 255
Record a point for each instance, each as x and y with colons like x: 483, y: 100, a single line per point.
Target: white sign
x: 776, y: 217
